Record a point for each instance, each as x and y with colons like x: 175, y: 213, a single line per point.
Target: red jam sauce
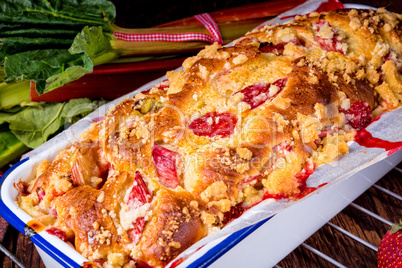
x: 364, y: 138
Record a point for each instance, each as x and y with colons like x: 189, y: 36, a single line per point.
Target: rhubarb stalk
x: 229, y: 31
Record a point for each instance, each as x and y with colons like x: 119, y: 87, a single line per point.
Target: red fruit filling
x: 268, y: 47
x: 138, y: 196
x: 282, y: 148
x: 57, y: 232
x: 304, y: 174
x: 165, y: 165
x: 251, y: 178
x: 77, y: 176
x: 257, y: 94
x: 234, y: 212
x: 41, y: 194
x: 271, y: 48
x: 246, y: 41
x: 359, y: 115
x: 214, y: 124
x: 268, y: 195
x: 329, y: 44
x: 22, y: 188
x: 301, y: 178
x: 135, y: 233
x: 163, y: 85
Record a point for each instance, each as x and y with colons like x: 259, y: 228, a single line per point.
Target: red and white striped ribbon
x: 205, y: 19
x: 209, y: 23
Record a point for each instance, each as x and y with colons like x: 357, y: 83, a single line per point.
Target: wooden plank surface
x: 327, y: 240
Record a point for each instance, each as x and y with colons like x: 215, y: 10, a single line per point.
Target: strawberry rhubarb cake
x: 236, y: 125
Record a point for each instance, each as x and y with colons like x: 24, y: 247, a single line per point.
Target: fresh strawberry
x: 234, y: 212
x: 328, y: 44
x: 57, y: 232
x: 257, y: 94
x: 389, y: 253
x: 214, y: 124
x: 165, y: 165
x: 359, y: 115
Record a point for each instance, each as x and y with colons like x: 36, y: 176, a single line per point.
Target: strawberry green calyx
x: 396, y: 227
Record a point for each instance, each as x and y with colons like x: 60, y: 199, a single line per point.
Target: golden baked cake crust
x: 236, y: 125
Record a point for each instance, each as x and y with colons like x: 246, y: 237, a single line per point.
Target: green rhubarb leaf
x: 33, y: 125
x: 13, y: 45
x: 58, y: 12
x: 2, y: 74
x: 38, y: 32
x: 35, y: 37
x: 49, y: 68
x: 93, y: 43
x: 10, y: 147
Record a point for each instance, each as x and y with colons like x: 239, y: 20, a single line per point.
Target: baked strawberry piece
x: 214, y: 124
x: 138, y: 196
x: 257, y: 94
x: 165, y: 165
x: 359, y: 115
x: 328, y: 38
x: 277, y: 49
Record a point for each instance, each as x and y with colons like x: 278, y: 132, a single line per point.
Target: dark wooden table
x: 328, y: 240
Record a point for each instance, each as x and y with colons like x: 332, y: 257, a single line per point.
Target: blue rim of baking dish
x: 225, y: 245
x: 5, y: 212
x: 203, y: 261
